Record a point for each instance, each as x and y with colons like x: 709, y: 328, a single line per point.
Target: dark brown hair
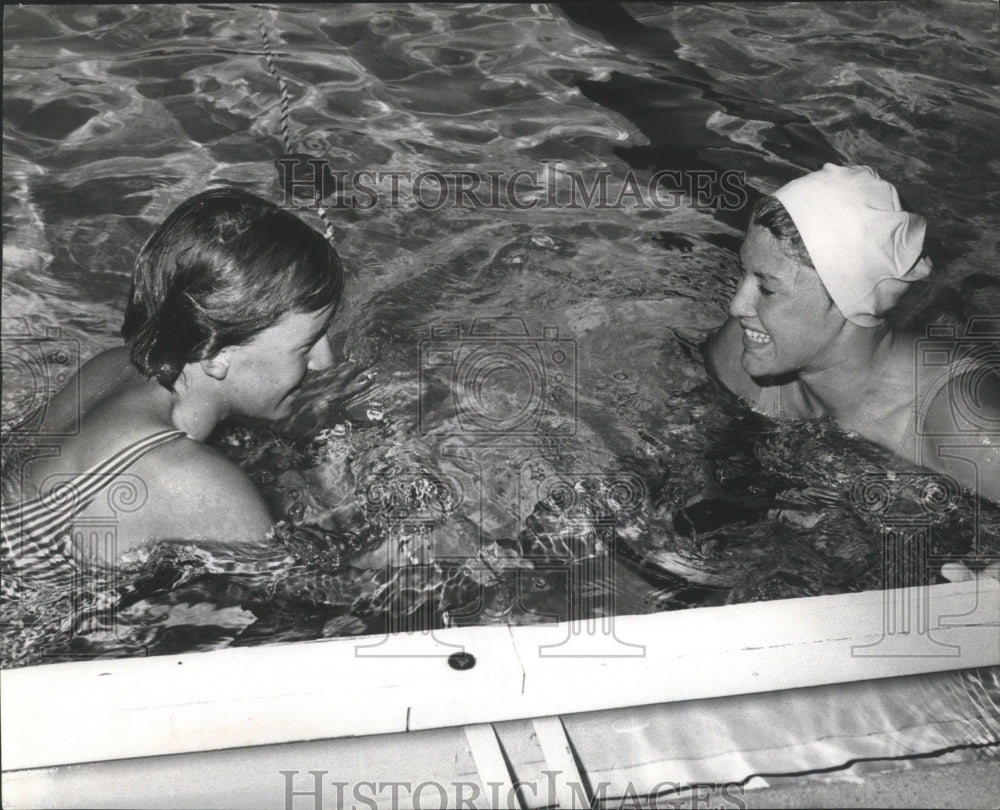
x: 224, y: 266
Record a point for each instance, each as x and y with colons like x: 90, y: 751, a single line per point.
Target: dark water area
x: 572, y: 459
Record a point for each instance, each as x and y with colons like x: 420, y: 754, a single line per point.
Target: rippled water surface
x: 571, y: 458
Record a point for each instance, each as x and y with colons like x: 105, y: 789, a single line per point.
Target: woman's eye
x: 765, y: 291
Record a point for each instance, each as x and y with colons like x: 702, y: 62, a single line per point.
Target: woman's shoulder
x: 962, y: 399
x: 194, y: 466
x: 957, y: 414
x: 959, y: 396
x: 206, y: 494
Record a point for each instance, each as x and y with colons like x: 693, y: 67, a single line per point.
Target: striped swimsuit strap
x: 35, y: 528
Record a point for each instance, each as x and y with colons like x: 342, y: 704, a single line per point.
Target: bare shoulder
x: 197, y: 492
x: 968, y: 403
x: 961, y: 429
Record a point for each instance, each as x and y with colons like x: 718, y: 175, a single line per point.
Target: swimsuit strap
x: 67, y: 499
x: 30, y: 530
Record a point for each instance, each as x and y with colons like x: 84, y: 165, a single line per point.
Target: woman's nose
x: 742, y: 305
x: 321, y: 356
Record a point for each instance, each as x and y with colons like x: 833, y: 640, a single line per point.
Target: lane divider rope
x: 285, y: 114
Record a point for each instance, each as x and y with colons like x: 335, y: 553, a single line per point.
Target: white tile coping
x: 119, y: 708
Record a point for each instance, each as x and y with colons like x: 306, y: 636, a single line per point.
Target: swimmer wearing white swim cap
x: 825, y: 257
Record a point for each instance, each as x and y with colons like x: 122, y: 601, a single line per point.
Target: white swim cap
x: 865, y: 248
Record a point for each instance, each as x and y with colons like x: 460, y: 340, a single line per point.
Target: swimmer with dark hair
x: 825, y: 257
x: 228, y: 313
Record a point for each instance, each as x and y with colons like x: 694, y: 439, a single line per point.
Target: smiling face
x: 264, y: 374
x: 788, y: 320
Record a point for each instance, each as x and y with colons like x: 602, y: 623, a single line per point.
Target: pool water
x: 519, y: 426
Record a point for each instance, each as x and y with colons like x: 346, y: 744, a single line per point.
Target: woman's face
x: 788, y: 321
x: 265, y: 373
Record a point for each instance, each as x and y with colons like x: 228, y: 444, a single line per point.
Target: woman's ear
x: 216, y: 367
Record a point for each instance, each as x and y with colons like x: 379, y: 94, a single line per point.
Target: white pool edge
x: 122, y: 708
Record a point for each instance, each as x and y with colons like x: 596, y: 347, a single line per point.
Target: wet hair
x: 769, y: 213
x: 224, y: 266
